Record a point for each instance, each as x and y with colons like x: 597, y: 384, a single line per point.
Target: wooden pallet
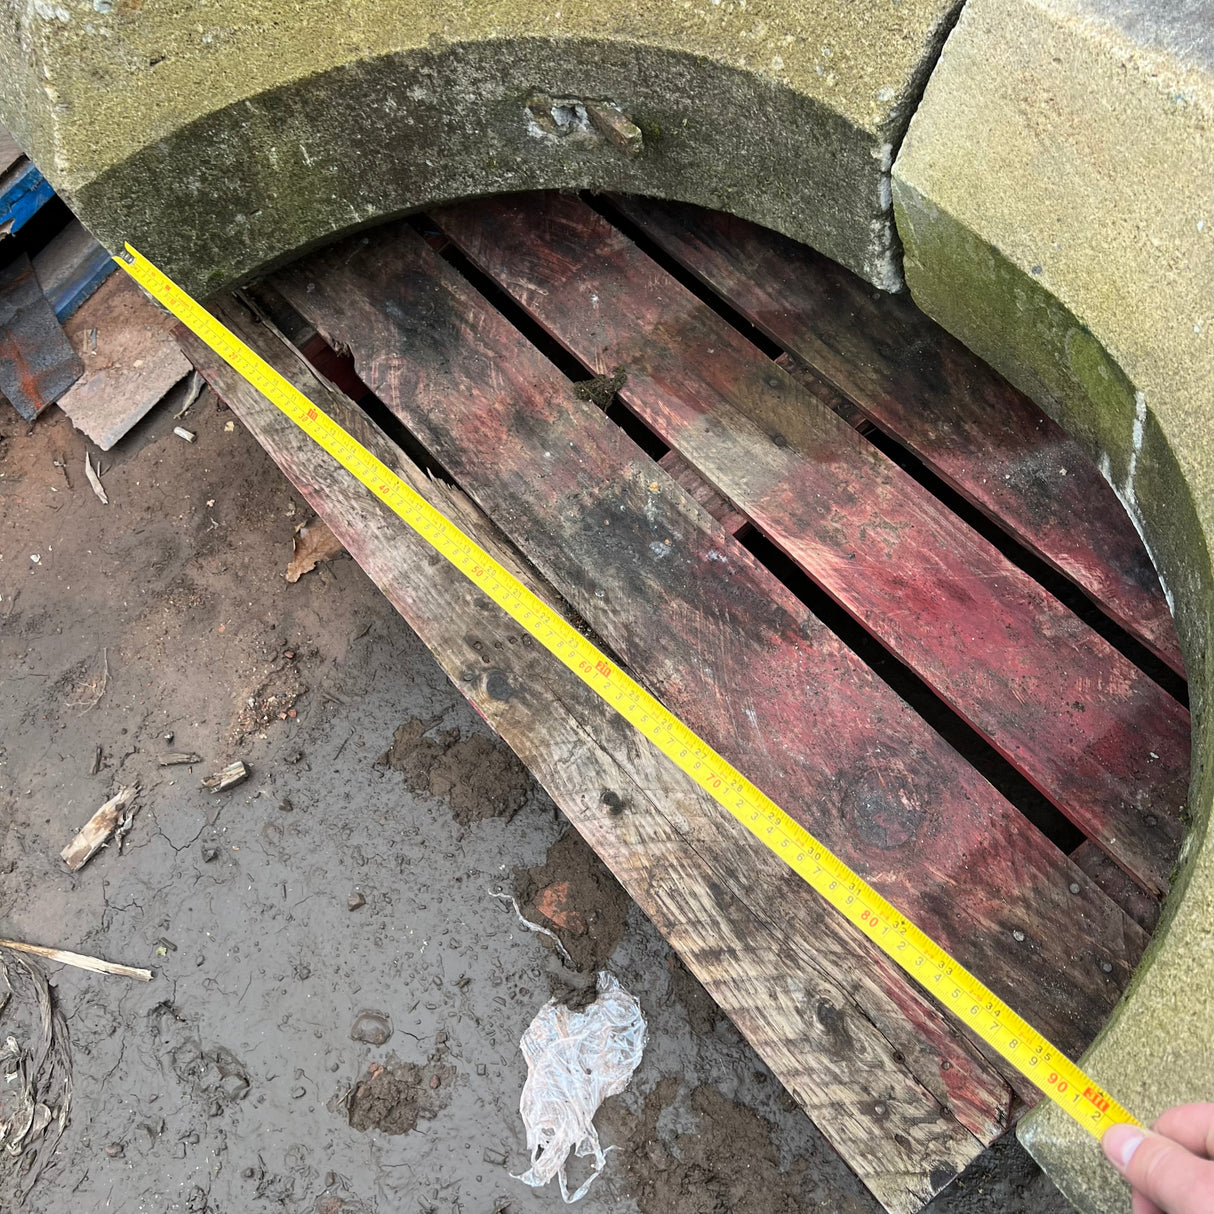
x: 645, y: 521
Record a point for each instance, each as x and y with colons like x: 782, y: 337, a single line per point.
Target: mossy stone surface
x: 1055, y: 197
x: 220, y: 137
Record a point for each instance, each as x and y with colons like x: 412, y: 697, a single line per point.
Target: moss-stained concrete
x: 1055, y: 195
x: 221, y: 135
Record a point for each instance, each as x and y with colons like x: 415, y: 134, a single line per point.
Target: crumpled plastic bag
x: 575, y: 1060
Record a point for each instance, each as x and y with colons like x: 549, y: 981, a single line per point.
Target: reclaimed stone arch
x: 223, y: 137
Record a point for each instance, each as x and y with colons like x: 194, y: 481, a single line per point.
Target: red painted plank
x: 920, y: 385
x: 716, y: 636
x: 1089, y: 729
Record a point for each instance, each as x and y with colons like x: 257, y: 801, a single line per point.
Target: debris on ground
x: 575, y: 893
x: 393, y: 1098
x: 97, y: 830
x: 197, y: 383
x: 35, y: 1077
x: 94, y: 479
x: 601, y: 389
x: 177, y: 758
x: 131, y: 360
x: 371, y: 1027
x: 314, y: 542
x: 235, y: 773
x: 575, y: 1060
x: 479, y: 777
x: 79, y: 960
x: 534, y: 927
x: 91, y: 686
x: 182, y: 432
x: 271, y: 690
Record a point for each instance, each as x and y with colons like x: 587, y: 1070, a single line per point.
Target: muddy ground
x: 338, y: 997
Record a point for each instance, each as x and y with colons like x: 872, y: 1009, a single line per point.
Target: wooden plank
x: 686, y: 476
x: 130, y: 358
x: 37, y: 363
x: 1142, y: 908
x: 23, y: 193
x: 759, y: 940
x: 1102, y: 740
x: 71, y: 268
x: 918, y: 384
x: 716, y: 636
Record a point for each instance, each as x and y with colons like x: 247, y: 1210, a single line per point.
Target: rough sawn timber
x: 805, y: 988
x: 715, y: 636
x: 923, y: 387
x: 1098, y: 737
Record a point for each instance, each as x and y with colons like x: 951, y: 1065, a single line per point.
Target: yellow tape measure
x: 947, y: 980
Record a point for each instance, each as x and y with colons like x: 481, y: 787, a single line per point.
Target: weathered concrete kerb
x: 219, y: 137
x: 1055, y: 194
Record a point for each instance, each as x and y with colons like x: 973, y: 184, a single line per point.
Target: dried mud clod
x: 601, y: 389
x: 479, y: 777
x: 393, y: 1098
x: 575, y: 895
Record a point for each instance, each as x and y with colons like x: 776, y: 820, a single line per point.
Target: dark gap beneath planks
x: 1057, y: 584
x: 569, y: 366
x: 338, y: 367
x: 264, y: 302
x: 901, y: 679
x: 549, y: 347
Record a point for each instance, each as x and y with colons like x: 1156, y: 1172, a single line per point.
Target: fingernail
x: 1120, y: 1143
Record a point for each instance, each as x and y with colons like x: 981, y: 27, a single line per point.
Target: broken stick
x: 229, y: 777
x: 79, y: 960
x: 98, y: 828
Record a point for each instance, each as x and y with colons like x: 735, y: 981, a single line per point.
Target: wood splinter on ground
x: 176, y: 758
x: 79, y: 960
x: 99, y: 828
x: 95, y: 480
x: 229, y: 777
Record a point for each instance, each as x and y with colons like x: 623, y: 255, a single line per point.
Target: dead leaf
x: 314, y: 542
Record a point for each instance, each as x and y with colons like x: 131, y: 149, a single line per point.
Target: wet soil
x: 326, y: 938
x: 477, y: 777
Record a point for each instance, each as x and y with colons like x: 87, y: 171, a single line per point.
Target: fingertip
x: 1119, y: 1144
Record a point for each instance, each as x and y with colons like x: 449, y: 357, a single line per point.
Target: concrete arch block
x: 1055, y: 197
x: 221, y: 137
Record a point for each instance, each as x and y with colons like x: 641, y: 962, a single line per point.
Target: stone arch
x: 222, y: 138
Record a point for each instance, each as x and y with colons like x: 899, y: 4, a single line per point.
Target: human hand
x: 1171, y: 1166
